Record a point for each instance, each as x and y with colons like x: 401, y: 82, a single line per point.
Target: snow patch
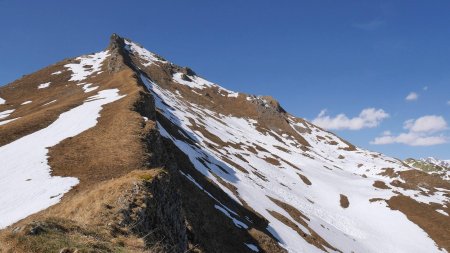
x: 44, y: 85
x: 141, y: 52
x: 4, y: 122
x: 233, y: 94
x: 195, y: 83
x: 88, y: 65
x: 57, y: 73
x: 87, y: 87
x: 5, y: 114
x: 2, y: 101
x: 26, y: 102
x: 25, y: 172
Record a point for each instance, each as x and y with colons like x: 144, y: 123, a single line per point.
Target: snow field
x: 24, y: 171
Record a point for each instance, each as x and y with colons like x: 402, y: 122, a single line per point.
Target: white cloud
x: 421, y: 132
x: 368, y: 118
x: 386, y: 133
x: 412, y: 96
x: 411, y: 139
x: 427, y: 124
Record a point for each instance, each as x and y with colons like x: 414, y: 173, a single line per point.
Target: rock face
x: 118, y: 56
x: 152, y: 209
x: 239, y: 173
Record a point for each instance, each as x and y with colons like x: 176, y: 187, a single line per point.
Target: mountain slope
x: 443, y: 163
x: 431, y: 165
x: 250, y: 176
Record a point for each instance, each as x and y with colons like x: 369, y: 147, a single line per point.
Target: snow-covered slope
x: 301, y: 166
x: 311, y: 190
x: 275, y: 171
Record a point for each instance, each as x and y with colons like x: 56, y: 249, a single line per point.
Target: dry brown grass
x: 112, y: 148
x: 380, y: 185
x: 304, y: 179
x: 89, y: 222
x: 94, y: 205
x: 344, y: 201
x: 37, y: 115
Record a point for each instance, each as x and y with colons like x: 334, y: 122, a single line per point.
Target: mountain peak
x: 116, y: 41
x: 231, y: 172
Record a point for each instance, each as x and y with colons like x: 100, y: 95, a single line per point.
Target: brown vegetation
x: 124, y: 214
x: 304, y: 179
x: 380, y: 185
x: 312, y: 238
x: 344, y: 201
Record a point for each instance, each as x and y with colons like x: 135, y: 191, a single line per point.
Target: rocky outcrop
x: 153, y: 210
x: 117, y: 56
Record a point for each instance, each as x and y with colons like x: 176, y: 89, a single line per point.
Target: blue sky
x: 342, y: 56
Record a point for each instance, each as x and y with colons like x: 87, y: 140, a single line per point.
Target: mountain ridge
x: 431, y: 165
x: 272, y: 182
x: 443, y: 163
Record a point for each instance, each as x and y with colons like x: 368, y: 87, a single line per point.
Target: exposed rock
x: 153, y: 210
x: 188, y: 71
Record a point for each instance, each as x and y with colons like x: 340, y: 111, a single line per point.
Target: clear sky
x: 342, y: 56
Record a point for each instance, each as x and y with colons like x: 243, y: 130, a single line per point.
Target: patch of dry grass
x: 87, y: 223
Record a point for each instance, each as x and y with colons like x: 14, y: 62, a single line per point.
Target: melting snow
x: 88, y: 65
x: 25, y: 172
x: 200, y: 83
x: 57, y: 73
x: 196, y: 83
x: 44, y: 85
x: 2, y: 101
x: 26, y: 102
x: 87, y: 87
x: 5, y: 114
x: 233, y: 94
x: 4, y: 122
x: 362, y: 227
x: 442, y: 212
